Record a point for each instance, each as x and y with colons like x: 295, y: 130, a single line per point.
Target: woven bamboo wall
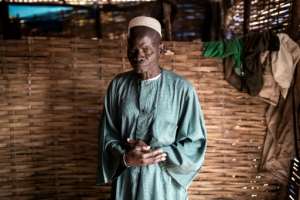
x: 51, y: 98
x: 264, y: 15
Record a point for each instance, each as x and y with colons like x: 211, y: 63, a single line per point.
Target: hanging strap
x: 295, y: 115
x: 294, y: 177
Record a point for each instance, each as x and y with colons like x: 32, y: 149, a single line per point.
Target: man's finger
x: 146, y: 148
x: 154, y: 160
x: 152, y: 153
x: 140, y: 143
x: 134, y: 143
x: 131, y: 141
x: 160, y: 158
x: 142, y: 149
x: 138, y: 148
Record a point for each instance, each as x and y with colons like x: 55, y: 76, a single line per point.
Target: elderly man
x: 152, y: 136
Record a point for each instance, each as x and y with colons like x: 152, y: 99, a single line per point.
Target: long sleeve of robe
x: 110, y: 142
x: 166, y: 114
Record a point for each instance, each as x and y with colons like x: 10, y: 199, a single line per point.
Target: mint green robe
x: 165, y: 113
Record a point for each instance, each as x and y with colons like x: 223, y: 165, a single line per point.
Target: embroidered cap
x: 145, y: 21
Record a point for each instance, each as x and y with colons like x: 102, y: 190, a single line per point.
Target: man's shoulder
x: 121, y: 77
x: 177, y: 79
x: 120, y: 80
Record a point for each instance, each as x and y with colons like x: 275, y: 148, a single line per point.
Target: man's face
x: 143, y: 52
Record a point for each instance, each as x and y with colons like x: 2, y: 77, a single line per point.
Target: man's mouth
x: 139, y: 62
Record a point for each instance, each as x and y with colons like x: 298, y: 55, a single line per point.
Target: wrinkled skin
x: 144, y: 47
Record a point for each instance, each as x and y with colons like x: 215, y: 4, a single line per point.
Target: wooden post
x: 98, y: 21
x: 4, y: 19
x: 247, y: 9
x: 294, y: 26
x: 167, y: 9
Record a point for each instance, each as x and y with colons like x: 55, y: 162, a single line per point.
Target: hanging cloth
x: 249, y: 75
x: 284, y: 62
x: 279, y: 145
x: 254, y: 45
x: 226, y: 49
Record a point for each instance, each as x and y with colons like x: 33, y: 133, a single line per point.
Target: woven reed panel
x: 188, y: 23
x: 51, y: 98
x: 264, y: 15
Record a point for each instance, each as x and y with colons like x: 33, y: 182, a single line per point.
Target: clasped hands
x: 141, y: 154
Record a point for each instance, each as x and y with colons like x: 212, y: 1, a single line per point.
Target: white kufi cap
x: 145, y: 21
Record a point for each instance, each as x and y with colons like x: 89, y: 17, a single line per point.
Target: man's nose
x: 140, y: 54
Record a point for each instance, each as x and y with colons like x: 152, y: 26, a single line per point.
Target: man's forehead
x: 141, y: 40
x: 140, y: 32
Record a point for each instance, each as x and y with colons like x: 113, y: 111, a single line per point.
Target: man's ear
x: 161, y: 48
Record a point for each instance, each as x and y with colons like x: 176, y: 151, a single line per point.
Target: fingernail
x: 163, y: 158
x: 164, y: 154
x: 128, y: 139
x: 147, y: 147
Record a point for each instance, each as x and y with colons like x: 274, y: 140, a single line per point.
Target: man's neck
x: 149, y: 74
